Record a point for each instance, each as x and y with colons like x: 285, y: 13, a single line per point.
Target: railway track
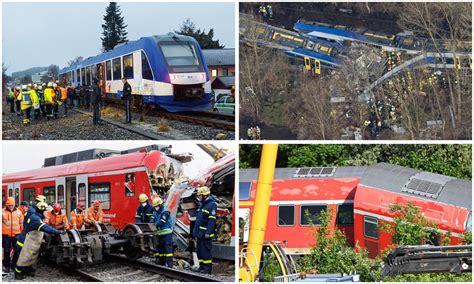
x: 206, y: 118
x: 121, y: 269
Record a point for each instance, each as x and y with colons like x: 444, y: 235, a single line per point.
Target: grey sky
x: 40, y: 34
x: 27, y: 156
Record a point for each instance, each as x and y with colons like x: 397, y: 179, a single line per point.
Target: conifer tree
x: 114, y: 27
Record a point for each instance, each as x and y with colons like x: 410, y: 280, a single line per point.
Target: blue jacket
x: 145, y: 214
x: 35, y: 222
x: 205, y: 219
x: 31, y: 211
x: 163, y: 221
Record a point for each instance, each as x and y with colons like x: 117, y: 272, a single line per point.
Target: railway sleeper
x: 85, y: 247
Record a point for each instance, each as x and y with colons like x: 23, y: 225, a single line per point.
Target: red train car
x: 116, y: 181
x: 443, y: 200
x: 360, y: 198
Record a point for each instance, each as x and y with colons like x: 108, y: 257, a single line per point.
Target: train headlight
x: 203, y: 76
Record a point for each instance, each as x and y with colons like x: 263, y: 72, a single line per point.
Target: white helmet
x: 55, y: 85
x: 50, y: 84
x: 23, y: 87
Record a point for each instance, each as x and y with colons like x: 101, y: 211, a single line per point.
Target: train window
x: 128, y: 66
x: 82, y: 192
x: 286, y: 215
x: 88, y: 75
x: 17, y: 196
x: 312, y: 212
x: 225, y: 72
x: 61, y: 196
x: 180, y: 53
x: 146, y: 70
x: 129, y: 184
x: 10, y: 192
x: 83, y: 76
x: 29, y: 195
x: 50, y: 193
x: 371, y: 227
x: 108, y: 70
x: 4, y: 197
x: 117, y: 69
x: 244, y: 190
x: 93, y: 72
x: 101, y: 192
x: 345, y: 214
x: 78, y: 71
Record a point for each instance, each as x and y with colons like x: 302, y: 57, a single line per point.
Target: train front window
x: 181, y: 56
x: 469, y: 223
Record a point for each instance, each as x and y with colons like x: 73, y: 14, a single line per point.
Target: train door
x: 81, y: 189
x: 371, y: 235
x: 60, y: 191
x: 70, y: 195
x: 14, y: 191
x: 101, y: 75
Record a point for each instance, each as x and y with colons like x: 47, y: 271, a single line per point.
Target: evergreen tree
x: 206, y: 41
x: 114, y: 27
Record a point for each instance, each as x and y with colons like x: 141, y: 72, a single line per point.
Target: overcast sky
x: 29, y: 156
x: 40, y: 34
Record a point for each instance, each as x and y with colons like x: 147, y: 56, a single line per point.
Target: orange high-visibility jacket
x: 63, y: 94
x: 77, y: 218
x: 59, y: 221
x: 94, y: 216
x: 12, y: 222
x: 23, y: 211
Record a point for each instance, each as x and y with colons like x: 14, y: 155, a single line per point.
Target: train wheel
x: 131, y: 251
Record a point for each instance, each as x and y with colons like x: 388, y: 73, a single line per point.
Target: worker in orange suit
x: 12, y: 225
x: 94, y: 214
x: 78, y: 216
x: 56, y: 218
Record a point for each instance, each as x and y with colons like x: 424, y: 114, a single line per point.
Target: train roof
x: 149, y: 160
x: 147, y: 44
x: 388, y: 177
x: 420, y: 184
x: 298, y: 173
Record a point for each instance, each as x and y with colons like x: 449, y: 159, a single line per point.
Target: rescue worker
x: 64, y: 102
x: 94, y: 214
x: 23, y: 207
x: 49, y: 100
x: 11, y: 99
x: 164, y: 224
x: 144, y: 210
x: 12, y: 226
x: 31, y: 210
x: 57, y: 101
x: 96, y: 99
x: 17, y: 102
x: 56, y: 218
x: 25, y: 99
x: 40, y: 93
x: 29, y: 242
x: 35, y: 102
x: 204, y: 228
x: 127, y: 97
x: 78, y: 216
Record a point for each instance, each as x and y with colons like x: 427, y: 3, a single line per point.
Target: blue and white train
x: 167, y: 71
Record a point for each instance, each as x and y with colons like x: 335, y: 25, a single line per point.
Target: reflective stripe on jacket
x: 57, y: 221
x: 163, y: 221
x: 12, y: 222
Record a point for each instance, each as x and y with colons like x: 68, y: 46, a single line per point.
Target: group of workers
x: 23, y: 228
x: 266, y: 11
x: 44, y: 100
